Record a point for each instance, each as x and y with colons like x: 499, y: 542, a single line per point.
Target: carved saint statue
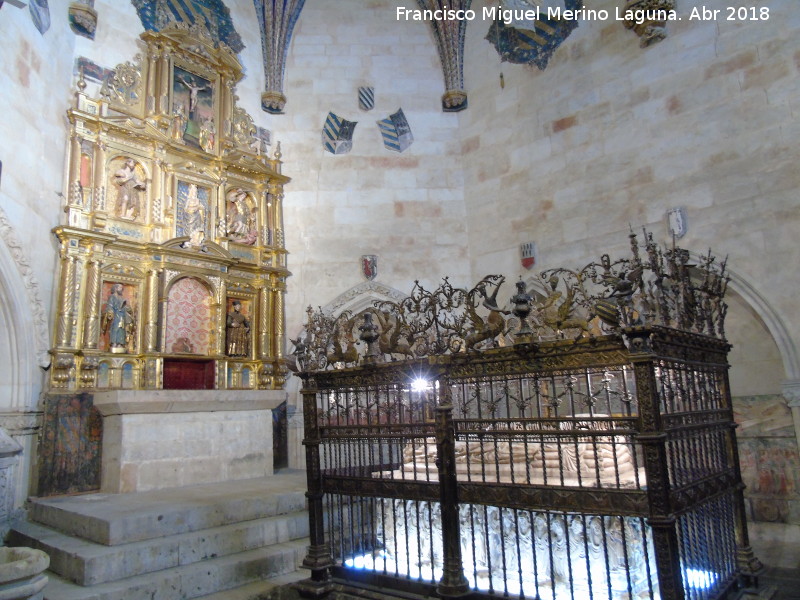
x: 237, y: 331
x: 195, y: 217
x: 207, y: 134
x: 118, y: 320
x: 128, y: 205
x: 178, y: 122
x: 240, y: 218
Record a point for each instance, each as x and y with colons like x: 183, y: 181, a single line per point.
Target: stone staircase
x: 235, y: 540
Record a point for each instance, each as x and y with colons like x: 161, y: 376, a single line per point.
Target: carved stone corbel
x: 652, y: 27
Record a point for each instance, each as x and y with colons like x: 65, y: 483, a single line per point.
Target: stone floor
x: 777, y: 546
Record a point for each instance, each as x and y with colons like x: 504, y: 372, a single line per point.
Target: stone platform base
x: 161, y: 439
x: 195, y: 542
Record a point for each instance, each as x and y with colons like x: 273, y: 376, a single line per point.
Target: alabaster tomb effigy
x: 172, y: 276
x: 572, y: 438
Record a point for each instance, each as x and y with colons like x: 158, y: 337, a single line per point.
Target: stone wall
x: 613, y: 135
x: 406, y: 208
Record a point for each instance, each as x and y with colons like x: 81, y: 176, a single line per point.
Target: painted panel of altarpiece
x: 69, y: 449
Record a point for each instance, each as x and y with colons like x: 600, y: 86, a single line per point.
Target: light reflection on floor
x: 694, y: 578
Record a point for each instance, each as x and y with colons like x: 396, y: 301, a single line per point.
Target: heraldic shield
x: 396, y: 131
x: 534, y: 41
x: 366, y: 98
x: 337, y: 134
x: 369, y: 266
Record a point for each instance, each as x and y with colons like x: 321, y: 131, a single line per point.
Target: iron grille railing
x: 532, y: 474
x: 577, y: 442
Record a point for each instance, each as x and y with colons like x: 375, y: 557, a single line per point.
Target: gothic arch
x: 23, y: 325
x: 772, y: 320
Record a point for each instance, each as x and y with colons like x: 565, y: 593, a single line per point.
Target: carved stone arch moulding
x: 27, y: 307
x: 362, y: 296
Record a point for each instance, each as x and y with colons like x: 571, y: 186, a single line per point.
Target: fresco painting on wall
x: 193, y: 96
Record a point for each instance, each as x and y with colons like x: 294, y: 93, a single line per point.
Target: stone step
x: 89, y: 563
x: 113, y: 519
x: 258, y: 590
x: 186, y: 582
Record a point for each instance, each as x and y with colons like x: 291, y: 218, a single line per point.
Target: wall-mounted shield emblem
x: 531, y: 41
x: 396, y: 131
x: 528, y: 254
x: 678, y: 225
x: 366, y: 98
x: 369, y: 266
x: 337, y: 134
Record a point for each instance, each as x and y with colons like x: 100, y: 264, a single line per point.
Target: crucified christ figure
x: 194, y: 90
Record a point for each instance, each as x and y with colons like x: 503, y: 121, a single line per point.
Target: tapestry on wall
x: 70, y: 445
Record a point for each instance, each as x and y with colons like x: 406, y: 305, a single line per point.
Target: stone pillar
x: 10, y: 451
x: 791, y: 391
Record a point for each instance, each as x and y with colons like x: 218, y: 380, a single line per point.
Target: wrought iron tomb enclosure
x: 565, y: 458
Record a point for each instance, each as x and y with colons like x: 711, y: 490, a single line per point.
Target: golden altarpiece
x: 172, y: 210
x: 172, y: 260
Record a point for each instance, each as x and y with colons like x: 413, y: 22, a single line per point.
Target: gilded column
x: 99, y: 173
x: 264, y: 321
x: 164, y: 107
x: 215, y: 344
x: 277, y: 318
x: 151, y: 325
x: 152, y: 67
x: 74, y: 182
x: 226, y: 110
x: 66, y: 312
x: 276, y: 216
x: 91, y: 331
